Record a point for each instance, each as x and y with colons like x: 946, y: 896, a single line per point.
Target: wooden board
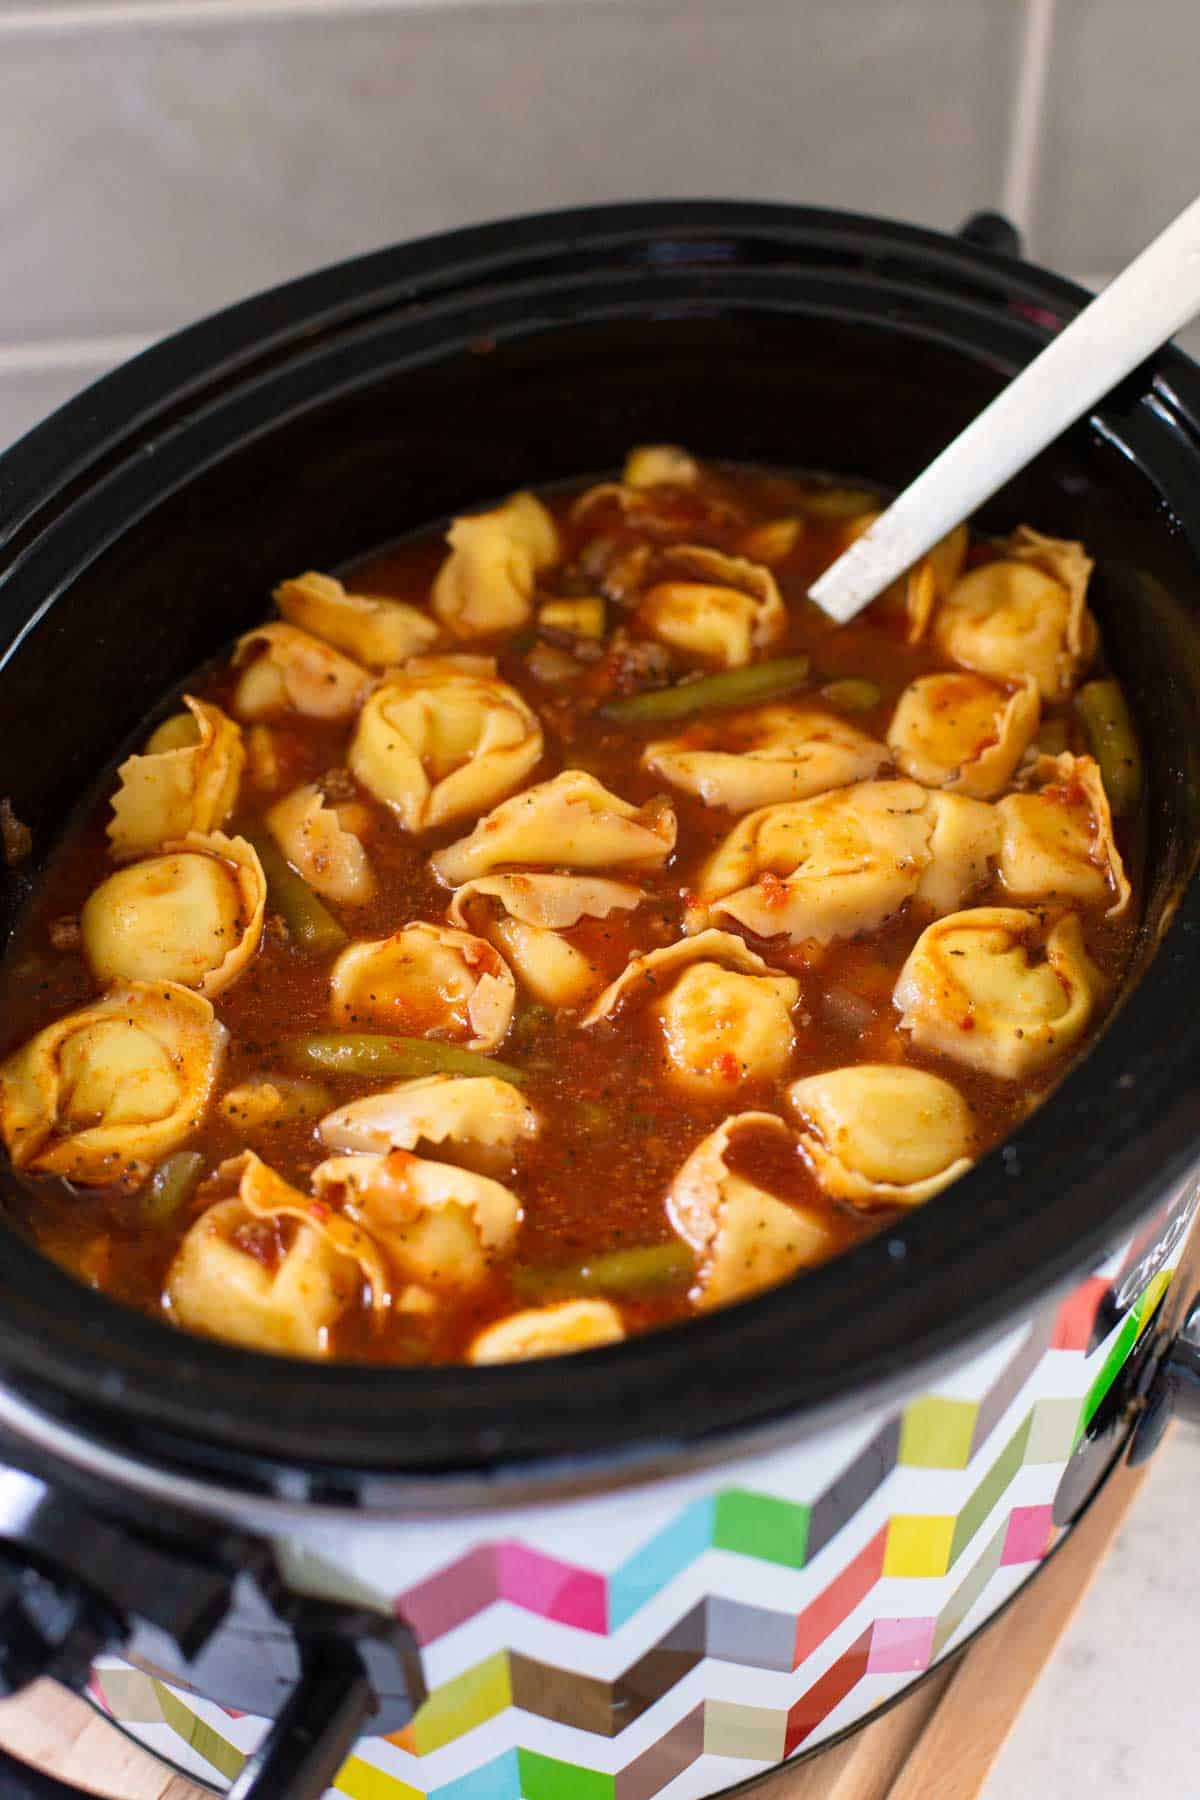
x: 937, y: 1745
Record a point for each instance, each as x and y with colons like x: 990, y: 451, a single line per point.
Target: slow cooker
x: 659, y: 1568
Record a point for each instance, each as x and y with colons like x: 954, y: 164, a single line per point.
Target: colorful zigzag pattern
x: 934, y: 1432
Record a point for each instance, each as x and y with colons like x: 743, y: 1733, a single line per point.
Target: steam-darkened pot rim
x: 1024, y: 1221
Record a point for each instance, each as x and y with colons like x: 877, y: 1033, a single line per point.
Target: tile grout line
x: 49, y: 354
x: 55, y: 16
x: 1023, y: 158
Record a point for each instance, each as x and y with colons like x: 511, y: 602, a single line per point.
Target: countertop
x: 1115, y: 1713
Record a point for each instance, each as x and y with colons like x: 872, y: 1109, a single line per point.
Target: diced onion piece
x: 443, y: 739
x: 989, y: 988
x: 112, y: 1086
x: 556, y: 1330
x: 1025, y: 614
x: 964, y: 732
x: 425, y: 979
x: 375, y: 632
x: 1057, y: 842
x: 487, y: 582
x: 286, y: 670
x: 185, y: 780
x: 192, y: 915
x: 765, y: 757
x: 572, y: 822
x: 883, y: 1134
x: 312, y: 837
x: 745, y: 1238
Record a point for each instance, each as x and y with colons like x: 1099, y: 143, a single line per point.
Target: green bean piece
x: 732, y: 687
x: 644, y: 1270
x: 1113, y: 742
x: 309, y: 920
x: 171, y: 1187
x: 852, y: 695
x: 362, y: 1053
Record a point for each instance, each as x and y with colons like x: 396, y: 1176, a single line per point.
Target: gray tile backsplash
x: 161, y: 157
x: 150, y: 174
x: 1121, y: 151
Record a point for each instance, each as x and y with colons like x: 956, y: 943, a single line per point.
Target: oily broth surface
x: 613, y: 1133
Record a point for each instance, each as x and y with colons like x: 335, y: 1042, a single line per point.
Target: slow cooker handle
x: 298, y: 1758
x: 75, y: 1584
x: 1174, y: 1392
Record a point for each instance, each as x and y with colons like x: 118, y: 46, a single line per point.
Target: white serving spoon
x: 1135, y: 315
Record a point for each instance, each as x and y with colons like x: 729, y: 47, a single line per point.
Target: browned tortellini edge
x: 187, y: 1039
x: 167, y: 793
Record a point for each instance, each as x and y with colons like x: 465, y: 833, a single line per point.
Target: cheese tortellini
x: 1057, y: 840
x: 525, y: 917
x: 726, y: 1015
x: 744, y: 1237
x: 444, y: 739
x: 762, y: 758
x: 192, y: 915
x: 329, y: 856
x: 487, y: 582
x: 1026, y: 614
x: 186, y: 779
x: 882, y: 1134
x: 478, y: 1120
x: 101, y: 1093
x: 844, y: 862
x: 430, y: 980
x: 572, y: 822
x: 559, y: 1329
x: 376, y: 633
x: 964, y: 732
x: 993, y: 989
x: 718, y: 608
x: 439, y: 1226
x: 268, y: 1269
x: 286, y: 670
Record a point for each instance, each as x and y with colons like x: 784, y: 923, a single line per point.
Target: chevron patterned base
x: 708, y: 1630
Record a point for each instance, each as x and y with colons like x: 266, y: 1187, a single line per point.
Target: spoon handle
x: 1148, y: 301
